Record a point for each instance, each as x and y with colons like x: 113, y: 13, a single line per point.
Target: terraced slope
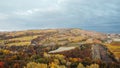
x: 21, y: 38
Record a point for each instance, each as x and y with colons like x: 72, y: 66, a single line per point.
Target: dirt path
x: 100, y: 52
x: 95, y: 52
x: 104, y: 56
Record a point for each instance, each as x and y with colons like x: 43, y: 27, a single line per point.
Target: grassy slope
x: 115, y: 48
x: 26, y: 40
x: 21, y: 38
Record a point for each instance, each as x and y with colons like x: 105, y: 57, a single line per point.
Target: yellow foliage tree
x: 56, y: 61
x: 93, y: 66
x: 80, y: 66
x: 36, y: 65
x: 53, y: 65
x: 58, y: 56
x: 6, y: 51
x: 73, y: 59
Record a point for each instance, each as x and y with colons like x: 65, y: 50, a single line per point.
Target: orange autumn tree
x: 1, y: 64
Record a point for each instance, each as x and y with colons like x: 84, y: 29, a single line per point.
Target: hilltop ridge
x: 10, y: 38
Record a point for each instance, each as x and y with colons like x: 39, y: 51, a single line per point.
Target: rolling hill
x: 74, y: 44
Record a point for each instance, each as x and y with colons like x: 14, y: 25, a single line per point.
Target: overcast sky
x: 98, y: 15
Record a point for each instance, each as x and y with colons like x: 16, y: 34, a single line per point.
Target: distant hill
x: 29, y: 37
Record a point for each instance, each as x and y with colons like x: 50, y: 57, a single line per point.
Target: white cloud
x: 3, y: 16
x: 54, y: 8
x: 32, y: 11
x: 28, y: 12
x: 61, y: 1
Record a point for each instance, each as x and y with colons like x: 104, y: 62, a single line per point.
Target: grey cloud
x: 60, y: 13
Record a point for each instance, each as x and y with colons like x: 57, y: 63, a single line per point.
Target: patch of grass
x: 73, y: 45
x: 115, y: 48
x: 19, y: 44
x: 115, y: 43
x: 117, y: 54
x: 1, y: 41
x: 27, y: 38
